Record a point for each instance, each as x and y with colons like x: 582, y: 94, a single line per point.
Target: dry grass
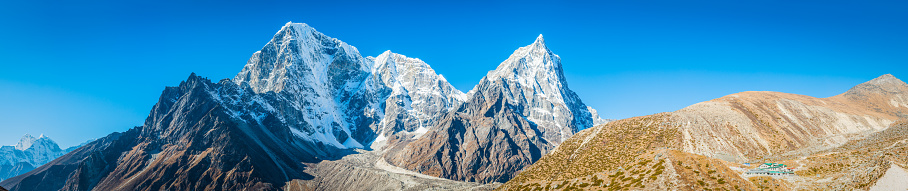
x: 619, y: 155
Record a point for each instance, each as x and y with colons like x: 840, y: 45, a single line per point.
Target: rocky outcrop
x: 515, y: 115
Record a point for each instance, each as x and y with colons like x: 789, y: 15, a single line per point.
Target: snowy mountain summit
x: 29, y: 153
x: 312, y: 76
x: 536, y: 83
x: 328, y: 93
x: 418, y: 96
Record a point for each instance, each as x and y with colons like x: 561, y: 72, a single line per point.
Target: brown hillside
x: 717, y: 135
x: 749, y: 125
x: 637, y: 153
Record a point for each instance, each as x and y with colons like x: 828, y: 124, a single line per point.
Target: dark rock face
x: 188, y: 142
x: 484, y: 141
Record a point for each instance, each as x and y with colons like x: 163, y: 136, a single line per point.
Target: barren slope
x: 743, y: 127
x: 749, y: 125
x: 635, y: 153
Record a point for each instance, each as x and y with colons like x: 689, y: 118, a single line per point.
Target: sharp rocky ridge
x: 516, y: 114
x: 537, y: 86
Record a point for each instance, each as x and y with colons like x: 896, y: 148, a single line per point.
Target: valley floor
x: 367, y: 170
x: 894, y: 179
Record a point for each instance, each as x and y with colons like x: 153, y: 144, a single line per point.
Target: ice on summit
x: 327, y: 92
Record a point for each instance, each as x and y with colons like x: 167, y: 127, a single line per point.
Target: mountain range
x: 29, y: 153
x: 306, y: 103
x: 310, y: 112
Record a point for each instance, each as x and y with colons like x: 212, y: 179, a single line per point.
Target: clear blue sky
x: 76, y: 70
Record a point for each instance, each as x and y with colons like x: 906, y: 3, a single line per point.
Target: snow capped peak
x: 42, y: 142
x: 531, y: 64
x: 539, y: 40
x: 31, y: 150
x: 413, y: 74
x: 314, y: 74
x: 532, y: 76
x: 418, y: 94
x: 301, y: 29
x: 299, y: 25
x: 25, y: 142
x: 299, y: 55
x: 329, y: 93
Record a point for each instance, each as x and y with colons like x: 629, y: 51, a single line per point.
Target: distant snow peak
x: 597, y: 120
x: 26, y: 142
x: 33, y: 151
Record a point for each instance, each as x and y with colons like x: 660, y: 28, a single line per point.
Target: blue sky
x: 76, y: 70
